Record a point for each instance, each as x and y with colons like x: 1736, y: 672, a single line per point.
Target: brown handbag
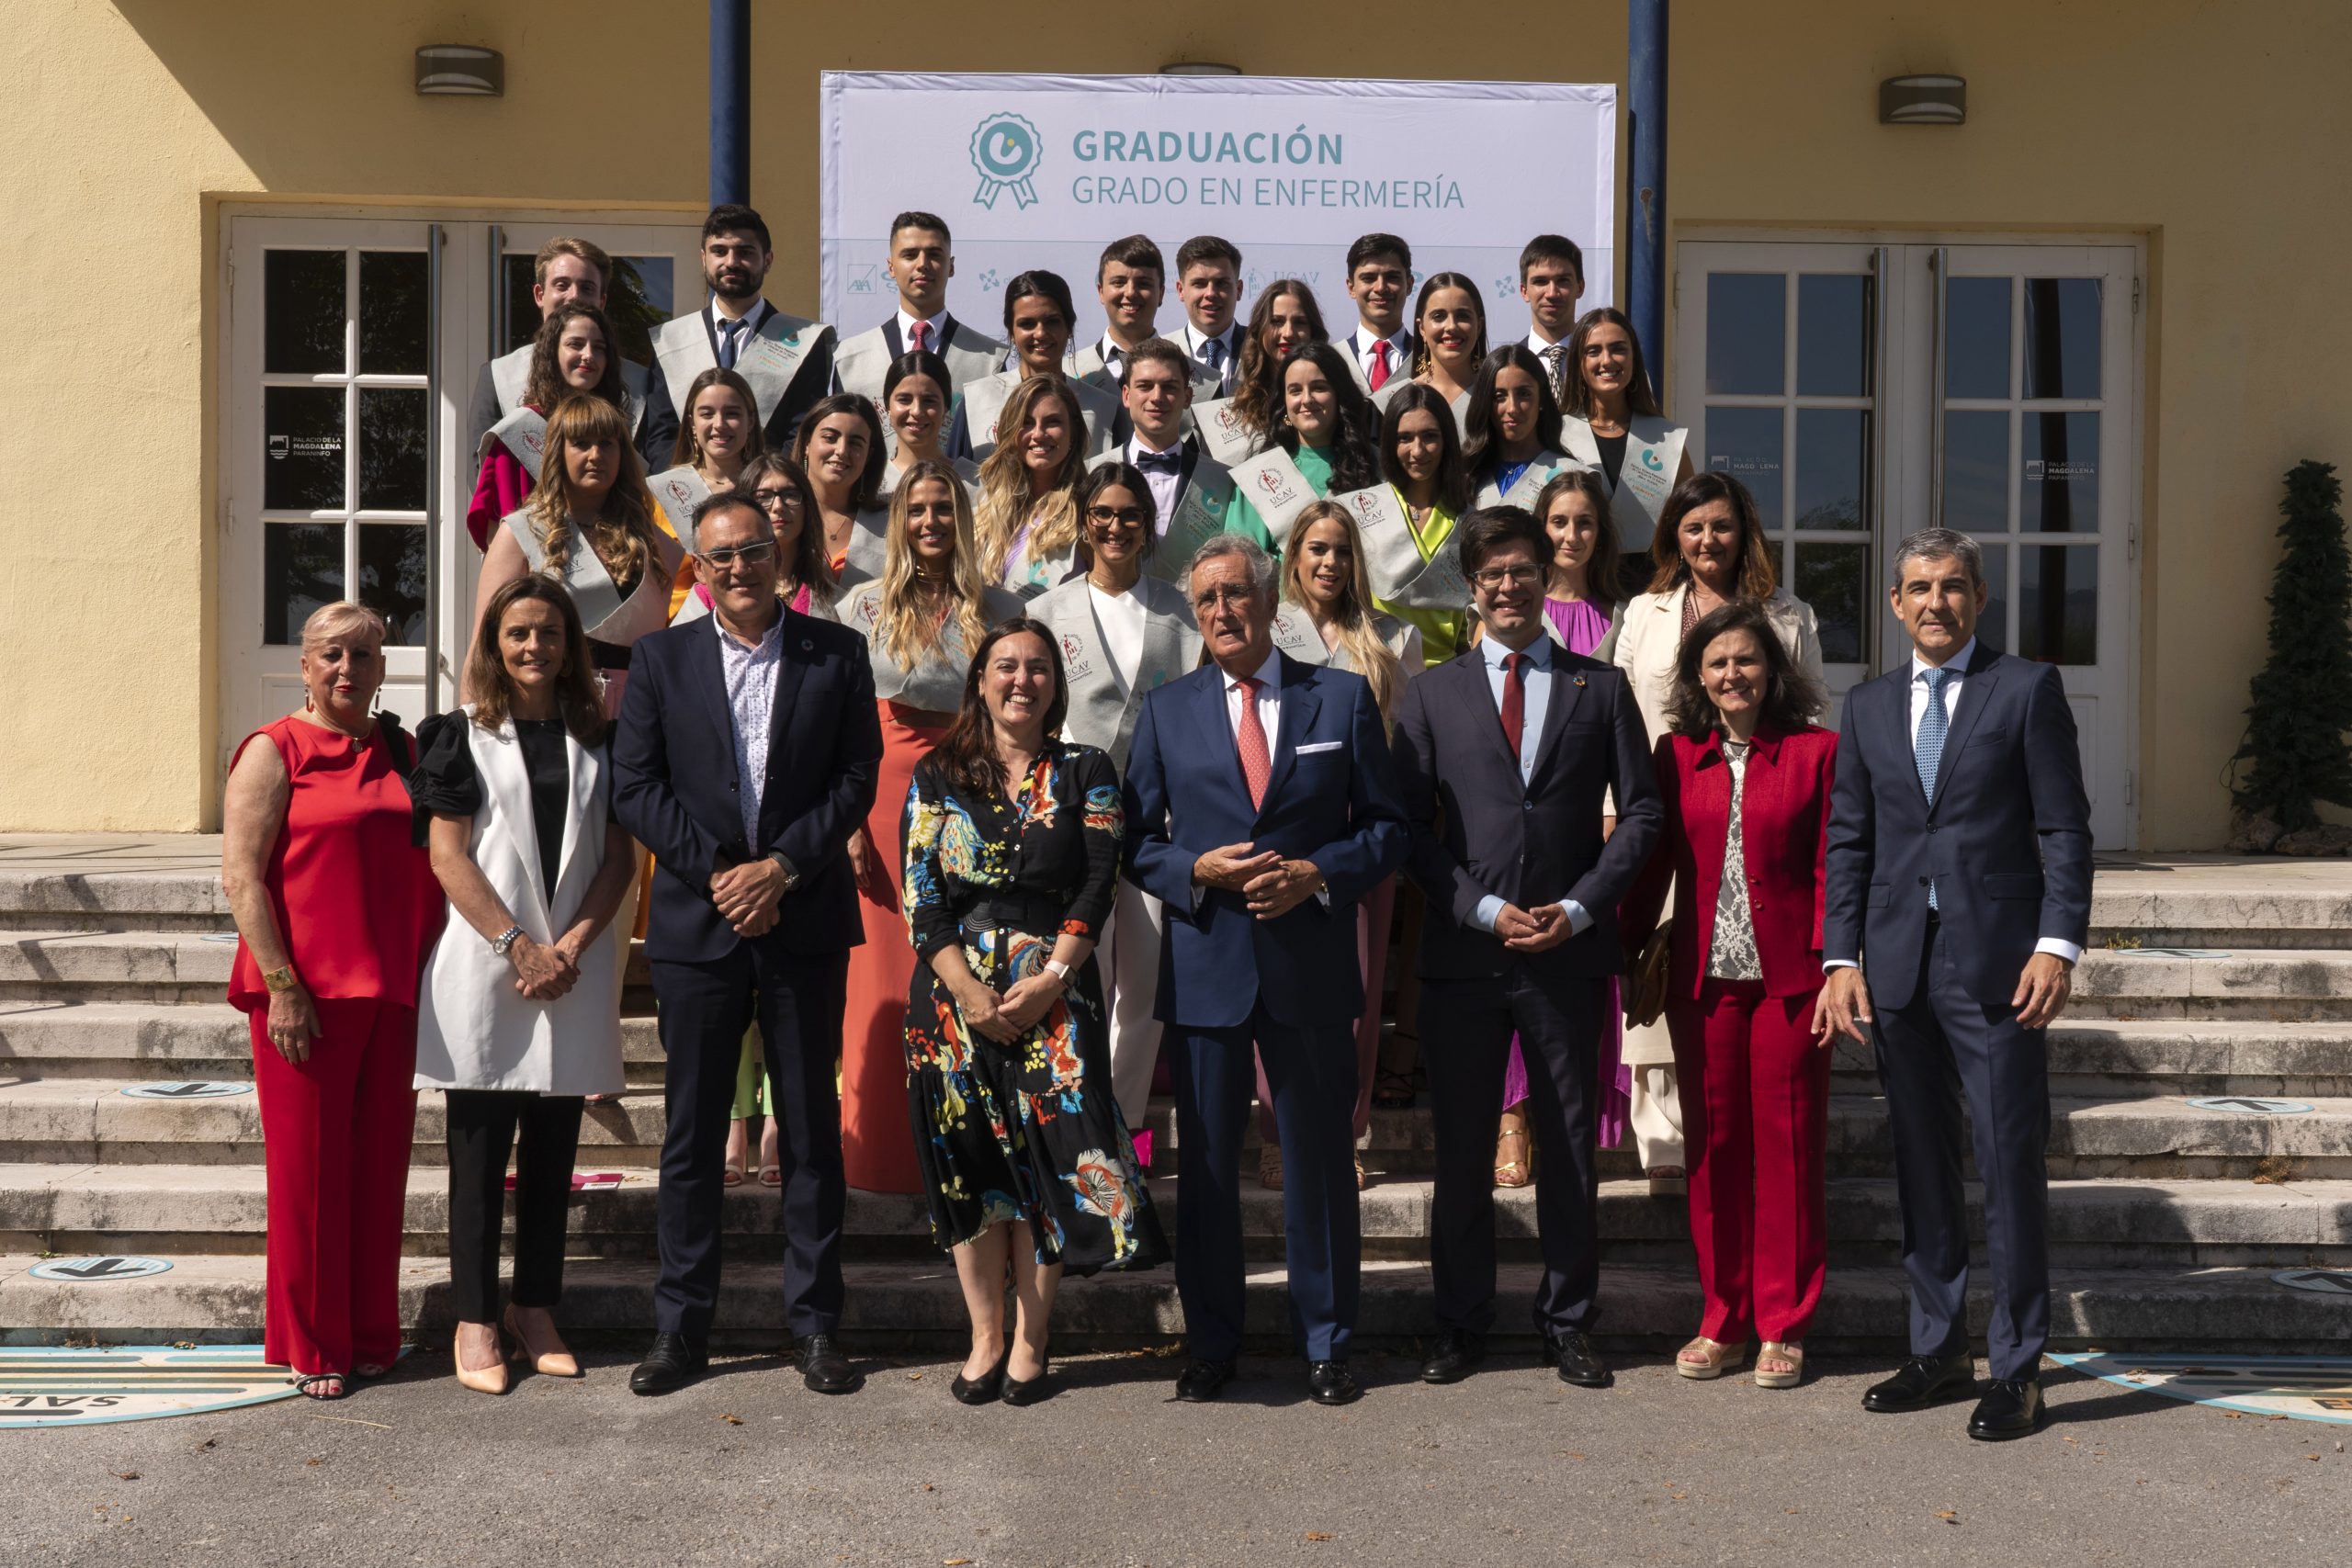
x: 1646, y: 982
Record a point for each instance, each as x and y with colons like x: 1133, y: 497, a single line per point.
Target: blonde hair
x: 339, y: 620
x: 902, y: 620
x: 1005, y: 503
x: 1359, y: 637
x: 622, y: 531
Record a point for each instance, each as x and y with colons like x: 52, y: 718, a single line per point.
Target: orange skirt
x: 878, y: 1135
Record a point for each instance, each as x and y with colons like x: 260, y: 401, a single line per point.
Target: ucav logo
x: 1006, y: 152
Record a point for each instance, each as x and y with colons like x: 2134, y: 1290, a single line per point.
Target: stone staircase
x: 2169, y: 1220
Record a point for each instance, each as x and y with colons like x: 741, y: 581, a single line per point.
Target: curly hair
x: 622, y: 532
x: 543, y: 385
x: 1257, y: 377
x: 1006, y: 503
x: 903, y: 622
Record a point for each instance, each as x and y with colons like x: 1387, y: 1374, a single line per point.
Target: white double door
x: 353, y: 347
x: 1864, y: 391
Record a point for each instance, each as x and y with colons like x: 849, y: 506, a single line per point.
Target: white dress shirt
x: 1114, y: 358
x: 752, y: 320
x: 750, y: 700
x: 932, y: 327
x: 1119, y: 617
x: 1270, y: 701
x: 1400, y: 356
x: 1535, y: 701
x: 1167, y: 485
x: 1955, y: 671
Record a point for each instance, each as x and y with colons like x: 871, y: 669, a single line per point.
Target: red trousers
x: 336, y: 1135
x: 1755, y: 1092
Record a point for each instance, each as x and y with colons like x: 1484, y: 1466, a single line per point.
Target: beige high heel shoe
x: 1714, y: 1358
x: 491, y: 1378
x: 556, y: 1363
x: 1787, y: 1350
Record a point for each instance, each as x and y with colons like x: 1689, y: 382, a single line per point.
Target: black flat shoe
x: 1330, y: 1382
x: 2011, y: 1408
x: 823, y: 1367
x: 981, y: 1389
x: 1922, y: 1382
x: 1019, y: 1393
x: 1204, y: 1381
x: 1572, y: 1355
x: 674, y: 1362
x: 1456, y: 1352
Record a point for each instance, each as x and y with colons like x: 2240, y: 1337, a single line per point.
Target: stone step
x: 2314, y: 983
x: 917, y: 1305
x: 91, y: 1120
x: 123, y: 966
x: 170, y: 1210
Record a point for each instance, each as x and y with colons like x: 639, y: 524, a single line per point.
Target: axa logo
x: 1006, y: 151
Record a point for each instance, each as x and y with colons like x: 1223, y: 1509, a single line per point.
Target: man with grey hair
x: 1959, y: 880
x: 1261, y: 805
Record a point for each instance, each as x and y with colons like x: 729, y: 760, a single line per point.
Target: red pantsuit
x: 1754, y: 1086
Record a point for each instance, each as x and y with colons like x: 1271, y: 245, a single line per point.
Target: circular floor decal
x: 94, y: 1271
x: 190, y: 1090
x: 2327, y: 1281
x: 2309, y: 1388
x: 2252, y: 1105
x: 43, y: 1387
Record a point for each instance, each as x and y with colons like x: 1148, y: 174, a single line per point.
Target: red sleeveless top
x: 356, y: 900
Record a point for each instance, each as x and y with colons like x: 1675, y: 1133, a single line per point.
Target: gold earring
x: 308, y: 706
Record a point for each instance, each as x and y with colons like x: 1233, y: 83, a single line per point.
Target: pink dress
x: 1581, y: 624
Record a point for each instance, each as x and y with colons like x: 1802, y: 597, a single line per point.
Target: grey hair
x: 1253, y: 554
x: 720, y: 502
x: 1941, y: 544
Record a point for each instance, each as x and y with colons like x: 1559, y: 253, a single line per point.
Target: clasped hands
x: 546, y: 972
x: 1272, y: 886
x: 1005, y: 1018
x: 1532, y: 931
x: 747, y: 895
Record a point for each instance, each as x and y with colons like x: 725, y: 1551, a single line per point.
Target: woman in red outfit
x: 1746, y: 777
x: 335, y: 911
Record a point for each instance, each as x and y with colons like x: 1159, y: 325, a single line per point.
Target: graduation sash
x: 984, y: 401
x: 677, y: 491
x: 511, y: 372
x: 1653, y: 457
x: 1275, y: 488
x: 861, y: 362
x: 1400, y: 574
x: 524, y: 433
x: 1224, y: 434
x: 1103, y: 707
x: 935, y: 682
x: 1294, y: 634
x: 767, y: 362
x: 1531, y: 482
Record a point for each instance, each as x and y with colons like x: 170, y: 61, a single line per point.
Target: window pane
x: 2061, y: 490
x: 392, y: 312
x: 1746, y: 444
x: 1835, y: 580
x: 1993, y: 625
x: 1976, y: 470
x: 2062, y: 332
x: 643, y: 288
x: 392, y: 449
x: 1833, y: 469
x: 302, y: 569
x: 2058, y: 604
x: 1746, y: 332
x: 392, y: 578
x: 303, y: 437
x: 1976, y: 337
x: 302, y: 313
x: 1832, y: 337
x: 522, y: 314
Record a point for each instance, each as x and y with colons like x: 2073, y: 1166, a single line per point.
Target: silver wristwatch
x: 504, y: 941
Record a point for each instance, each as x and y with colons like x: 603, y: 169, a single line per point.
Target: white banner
x: 1044, y: 170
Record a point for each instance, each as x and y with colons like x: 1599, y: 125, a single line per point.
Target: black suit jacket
x: 2008, y: 841
x: 1478, y: 829
x: 676, y: 788
x: 658, y: 436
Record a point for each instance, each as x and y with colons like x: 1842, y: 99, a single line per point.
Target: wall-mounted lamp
x: 460, y: 71
x: 1199, y: 68
x: 1923, y: 100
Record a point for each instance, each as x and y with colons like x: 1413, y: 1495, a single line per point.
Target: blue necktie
x: 1927, y: 751
x: 726, y: 331
x: 1213, y: 354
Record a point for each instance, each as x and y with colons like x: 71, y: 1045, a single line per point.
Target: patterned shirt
x: 750, y: 699
x: 1731, y: 952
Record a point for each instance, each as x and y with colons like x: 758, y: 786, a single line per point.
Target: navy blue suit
x: 1291, y: 984
x: 2007, y: 844
x: 676, y: 789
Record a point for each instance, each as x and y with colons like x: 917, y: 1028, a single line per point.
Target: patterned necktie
x: 1213, y: 354
x: 1555, y: 365
x: 1379, y: 377
x: 1515, y: 700
x: 919, y: 339
x: 1257, y: 762
x: 1928, y: 749
x: 726, y: 331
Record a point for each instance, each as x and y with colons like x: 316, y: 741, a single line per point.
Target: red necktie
x: 1379, y: 364
x: 1256, y: 762
x: 915, y: 339
x: 1514, y: 700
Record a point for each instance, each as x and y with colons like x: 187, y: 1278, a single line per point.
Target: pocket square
x: 1320, y: 746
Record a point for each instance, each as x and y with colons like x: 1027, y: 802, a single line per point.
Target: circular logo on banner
x: 185, y: 1090
x: 99, y: 1270
x: 1006, y: 152
x: 50, y: 1387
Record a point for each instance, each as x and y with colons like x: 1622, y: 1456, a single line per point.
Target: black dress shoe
x: 1576, y: 1360
x: 1019, y: 1393
x: 1456, y: 1352
x: 1204, y: 1381
x: 823, y: 1367
x: 674, y: 1362
x: 2011, y: 1408
x: 1924, y: 1381
x: 981, y: 1389
x: 1330, y: 1382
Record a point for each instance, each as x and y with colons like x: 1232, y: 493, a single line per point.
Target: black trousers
x: 1941, y: 1044
x: 705, y: 1009
x: 1559, y: 1021
x: 543, y: 1131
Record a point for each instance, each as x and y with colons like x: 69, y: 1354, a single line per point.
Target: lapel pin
x: 807, y: 646
x: 1579, y: 680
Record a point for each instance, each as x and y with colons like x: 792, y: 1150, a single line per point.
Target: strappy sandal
x: 1718, y: 1356
x: 1362, y: 1180
x: 1391, y: 1088
x: 1269, y: 1167
x: 1516, y: 1172
x: 771, y: 1176
x: 1787, y: 1350
x: 308, y: 1386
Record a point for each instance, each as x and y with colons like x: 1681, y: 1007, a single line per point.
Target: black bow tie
x: 1169, y: 462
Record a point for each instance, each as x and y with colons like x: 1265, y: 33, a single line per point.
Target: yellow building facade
x: 2160, y: 176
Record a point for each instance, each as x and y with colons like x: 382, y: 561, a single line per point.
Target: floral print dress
x: 1028, y: 1130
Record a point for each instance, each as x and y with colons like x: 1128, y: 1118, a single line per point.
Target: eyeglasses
x: 1106, y: 515
x: 776, y: 499
x: 1493, y: 577
x: 744, y: 555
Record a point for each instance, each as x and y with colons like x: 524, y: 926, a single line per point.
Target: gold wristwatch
x: 280, y: 979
